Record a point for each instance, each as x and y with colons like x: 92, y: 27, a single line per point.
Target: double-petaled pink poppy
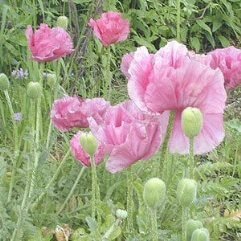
x: 111, y: 28
x: 70, y: 112
x: 171, y: 81
x: 128, y: 135
x: 48, y: 44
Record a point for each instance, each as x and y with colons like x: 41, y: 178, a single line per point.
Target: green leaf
x: 224, y: 41
x: 204, y: 26
x: 195, y: 43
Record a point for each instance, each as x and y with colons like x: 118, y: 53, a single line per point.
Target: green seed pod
x: 192, y: 122
x: 62, y: 22
x: 4, y: 82
x: 154, y: 193
x: 186, y: 192
x: 191, y: 226
x: 51, y: 79
x: 121, y: 214
x: 89, y: 143
x: 34, y: 90
x: 200, y: 234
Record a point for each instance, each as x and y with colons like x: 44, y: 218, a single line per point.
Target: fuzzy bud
x: 192, y: 122
x: 186, y: 192
x: 51, y: 79
x: 89, y: 143
x: 191, y: 226
x: 200, y: 234
x: 62, y: 22
x: 154, y: 193
x: 34, y: 90
x: 4, y: 82
x: 121, y: 214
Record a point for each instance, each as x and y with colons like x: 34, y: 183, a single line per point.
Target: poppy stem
x: 164, y: 148
x: 184, y: 221
x: 191, y: 159
x: 72, y: 190
x: 154, y: 225
x: 129, y: 200
x: 94, y: 194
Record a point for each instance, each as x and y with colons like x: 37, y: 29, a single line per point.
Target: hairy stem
x: 184, y: 221
x: 41, y: 196
x: 178, y: 20
x: 191, y: 159
x: 71, y: 191
x: 130, y: 200
x: 154, y: 225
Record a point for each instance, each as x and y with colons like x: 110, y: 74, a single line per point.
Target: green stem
x: 130, y: 200
x: 178, y: 20
x: 23, y: 206
x: 164, y: 149
x: 41, y: 196
x: 154, y: 225
x: 71, y: 191
x: 107, y: 74
x: 184, y: 221
x: 16, y: 148
x: 191, y: 159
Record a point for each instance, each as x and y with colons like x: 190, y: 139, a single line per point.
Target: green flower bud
x: 51, y: 79
x: 62, y: 22
x: 4, y: 82
x: 34, y: 90
x: 186, y: 192
x: 200, y: 234
x: 191, y: 226
x: 154, y: 193
x: 192, y: 122
x: 121, y: 214
x: 89, y: 143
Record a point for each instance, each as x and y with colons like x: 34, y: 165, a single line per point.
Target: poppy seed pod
x: 89, y: 143
x: 192, y: 122
x: 62, y: 22
x: 154, y: 193
x: 121, y: 214
x: 191, y: 226
x: 34, y: 90
x: 51, y: 79
x: 200, y: 234
x: 186, y: 192
x: 4, y: 82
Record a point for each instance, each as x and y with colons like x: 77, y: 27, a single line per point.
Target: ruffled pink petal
x: 125, y: 64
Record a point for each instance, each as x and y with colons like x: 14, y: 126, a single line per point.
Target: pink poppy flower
x: 125, y: 63
x: 228, y: 60
x: 83, y: 157
x: 172, y: 81
x: 70, y: 112
x: 128, y: 135
x: 48, y: 44
x: 111, y: 28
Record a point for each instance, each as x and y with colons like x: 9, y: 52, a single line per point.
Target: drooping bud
x: 34, y: 90
x: 191, y: 226
x: 51, y: 79
x: 4, y: 82
x: 200, y: 234
x: 192, y: 122
x: 121, y: 214
x: 186, y: 192
x: 154, y: 193
x: 62, y: 21
x: 89, y: 143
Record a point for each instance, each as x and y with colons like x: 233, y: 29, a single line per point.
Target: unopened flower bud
x: 191, y: 226
x: 34, y: 90
x: 154, y: 193
x: 186, y: 192
x: 200, y: 234
x: 192, y: 122
x: 89, y: 143
x: 121, y: 214
x: 51, y: 79
x: 62, y: 22
x: 4, y: 82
